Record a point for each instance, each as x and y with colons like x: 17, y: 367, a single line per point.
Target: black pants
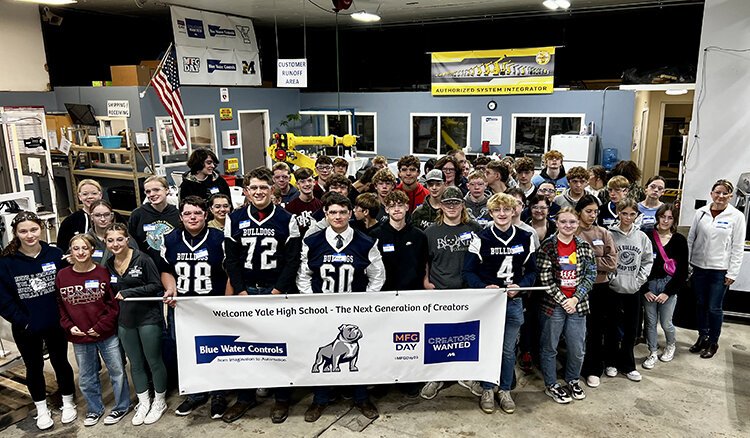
x: 531, y: 330
x: 30, y: 345
x: 619, y: 338
x: 593, y: 362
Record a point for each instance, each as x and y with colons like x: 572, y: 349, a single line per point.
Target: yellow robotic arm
x: 283, y: 147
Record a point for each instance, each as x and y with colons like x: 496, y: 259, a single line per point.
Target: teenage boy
x: 341, y: 167
x: 502, y: 257
x: 425, y: 214
x: 617, y: 189
x: 476, y: 198
x: 357, y: 267
x: 547, y: 190
x: 463, y: 164
x: 262, y: 244
x: 379, y: 162
x: 524, y: 167
x: 577, y: 179
x: 306, y: 204
x: 366, y: 209
x: 496, y: 174
x: 324, y: 167
x: 190, y: 265
x: 281, y: 178
x: 384, y: 182
x: 408, y: 172
x: 553, y: 171
x: 481, y: 162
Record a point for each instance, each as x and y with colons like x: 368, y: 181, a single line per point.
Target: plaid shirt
x: 548, y: 264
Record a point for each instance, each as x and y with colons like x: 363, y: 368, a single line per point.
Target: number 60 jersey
x: 195, y: 261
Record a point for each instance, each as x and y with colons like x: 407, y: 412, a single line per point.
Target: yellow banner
x: 493, y: 72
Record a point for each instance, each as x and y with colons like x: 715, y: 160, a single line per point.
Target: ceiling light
x: 365, y: 17
x: 551, y: 4
x: 565, y: 4
x: 50, y: 2
x: 678, y: 92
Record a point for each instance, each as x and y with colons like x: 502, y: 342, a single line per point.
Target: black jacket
x: 141, y: 279
x: 404, y: 254
x: 203, y: 189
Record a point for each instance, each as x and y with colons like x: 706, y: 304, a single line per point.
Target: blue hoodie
x: 27, y: 289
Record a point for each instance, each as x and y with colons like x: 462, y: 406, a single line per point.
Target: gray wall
x: 393, y: 111
x: 30, y: 98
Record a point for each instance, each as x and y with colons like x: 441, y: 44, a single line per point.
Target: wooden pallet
x: 15, y: 401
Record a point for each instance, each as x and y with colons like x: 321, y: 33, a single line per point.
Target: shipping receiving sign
x: 493, y: 72
x: 339, y: 339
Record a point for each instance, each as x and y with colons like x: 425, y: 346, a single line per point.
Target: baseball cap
x: 452, y: 194
x: 434, y: 175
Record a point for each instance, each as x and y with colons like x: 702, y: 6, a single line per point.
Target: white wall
x: 719, y: 145
x: 21, y: 48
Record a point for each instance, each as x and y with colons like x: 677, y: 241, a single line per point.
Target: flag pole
x: 142, y: 94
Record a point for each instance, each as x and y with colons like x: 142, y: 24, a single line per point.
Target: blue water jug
x: 609, y: 158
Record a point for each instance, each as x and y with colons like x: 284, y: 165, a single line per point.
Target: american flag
x: 167, y: 86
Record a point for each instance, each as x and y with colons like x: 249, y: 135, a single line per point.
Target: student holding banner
x: 502, y: 257
x: 190, y: 265
x: 262, y: 248
x: 365, y: 273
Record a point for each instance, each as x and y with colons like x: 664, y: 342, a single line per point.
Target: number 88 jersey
x: 195, y: 262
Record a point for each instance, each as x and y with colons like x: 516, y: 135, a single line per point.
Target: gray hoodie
x: 635, y: 256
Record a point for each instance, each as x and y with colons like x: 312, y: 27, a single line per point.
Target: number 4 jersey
x: 500, y: 258
x: 195, y: 261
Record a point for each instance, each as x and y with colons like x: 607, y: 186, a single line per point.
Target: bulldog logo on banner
x: 345, y: 348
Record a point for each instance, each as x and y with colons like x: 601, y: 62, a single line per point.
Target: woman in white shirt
x: 715, y: 243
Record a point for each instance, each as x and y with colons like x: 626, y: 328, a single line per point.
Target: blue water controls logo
x: 208, y: 348
x: 216, y: 64
x: 451, y: 342
x: 406, y: 341
x: 218, y: 31
x: 195, y: 28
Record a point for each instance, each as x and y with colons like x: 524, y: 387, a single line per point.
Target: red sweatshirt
x: 86, y: 301
x: 416, y: 196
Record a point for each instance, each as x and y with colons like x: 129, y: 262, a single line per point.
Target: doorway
x: 255, y: 134
x: 674, y: 135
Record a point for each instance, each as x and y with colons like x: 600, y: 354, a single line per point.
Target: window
x: 454, y: 133
x: 363, y: 124
x: 531, y: 133
x: 200, y: 132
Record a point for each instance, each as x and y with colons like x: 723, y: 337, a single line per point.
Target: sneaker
x: 158, y: 408
x: 634, y: 375
x: 593, y: 381
x: 114, y: 417
x: 575, y: 390
x: 187, y: 406
x: 557, y: 393
x: 668, y: 354
x: 262, y: 392
x: 650, y: 360
x: 611, y: 372
x: 44, y: 420
x: 91, y: 419
x: 218, y: 407
x: 473, y: 386
x: 430, y: 390
x: 506, y: 402
x: 487, y: 401
x: 141, y: 410
x: 69, y: 413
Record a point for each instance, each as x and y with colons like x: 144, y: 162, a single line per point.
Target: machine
x: 284, y: 147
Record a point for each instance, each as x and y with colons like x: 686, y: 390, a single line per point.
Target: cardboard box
x: 152, y: 66
x: 130, y: 75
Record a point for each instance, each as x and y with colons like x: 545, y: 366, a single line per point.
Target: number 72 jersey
x: 197, y: 268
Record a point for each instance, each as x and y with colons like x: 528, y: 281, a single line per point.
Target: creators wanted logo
x: 451, y: 342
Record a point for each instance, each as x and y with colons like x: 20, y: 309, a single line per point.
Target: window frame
x: 437, y: 153
x: 189, y: 144
x: 515, y: 116
x: 349, y: 119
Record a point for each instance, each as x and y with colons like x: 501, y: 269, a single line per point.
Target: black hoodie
x: 149, y: 226
x: 27, y: 289
x: 203, y: 189
x: 141, y: 279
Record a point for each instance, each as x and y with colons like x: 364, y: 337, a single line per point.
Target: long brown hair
x: 15, y: 243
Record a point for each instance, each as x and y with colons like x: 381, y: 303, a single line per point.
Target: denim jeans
x: 573, y: 326
x: 662, y: 312
x: 513, y: 323
x: 709, y: 288
x: 87, y: 356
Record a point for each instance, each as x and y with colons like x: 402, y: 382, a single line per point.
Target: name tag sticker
x: 389, y: 247
x: 149, y: 227
x: 214, y: 190
x: 465, y: 236
x: 49, y: 267
x: 98, y: 254
x: 113, y: 279
x: 722, y: 225
x: 245, y: 224
x: 598, y: 242
x: 649, y: 220
x: 338, y: 258
x: 91, y: 284
x: 201, y: 254
x: 564, y: 260
x: 517, y: 249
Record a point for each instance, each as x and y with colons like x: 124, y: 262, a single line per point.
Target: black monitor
x: 81, y: 114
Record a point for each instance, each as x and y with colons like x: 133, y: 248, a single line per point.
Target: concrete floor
x: 689, y: 397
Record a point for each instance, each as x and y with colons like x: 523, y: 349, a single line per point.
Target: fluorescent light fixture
x: 50, y: 2
x: 365, y: 17
x: 678, y: 92
x: 550, y: 4
x: 565, y: 4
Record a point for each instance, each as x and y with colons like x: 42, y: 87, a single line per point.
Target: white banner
x: 202, y: 66
x: 339, y: 339
x: 196, y: 28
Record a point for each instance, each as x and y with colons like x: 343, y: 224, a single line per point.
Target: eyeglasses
x: 409, y: 169
x: 103, y: 215
x: 324, y: 167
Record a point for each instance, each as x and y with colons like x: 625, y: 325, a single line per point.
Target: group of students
x: 601, y: 255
